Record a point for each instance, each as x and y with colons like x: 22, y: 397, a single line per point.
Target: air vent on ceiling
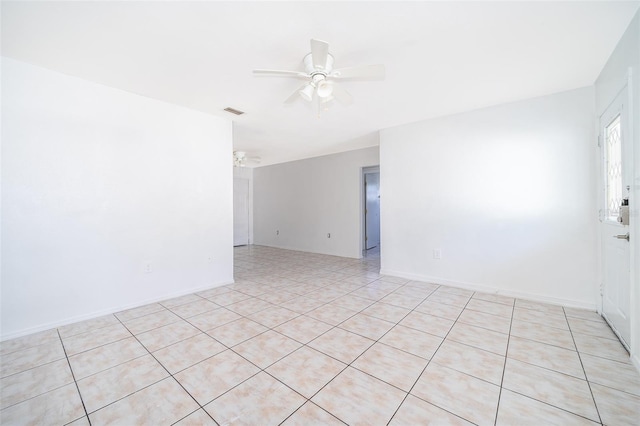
x: 234, y: 111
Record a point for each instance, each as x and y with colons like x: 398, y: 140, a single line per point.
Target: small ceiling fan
x: 321, y: 77
x: 240, y: 159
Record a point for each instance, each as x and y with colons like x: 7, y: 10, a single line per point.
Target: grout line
x: 583, y: 369
x: 73, y: 376
x: 504, y: 366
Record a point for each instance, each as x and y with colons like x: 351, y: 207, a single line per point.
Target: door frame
x: 363, y: 205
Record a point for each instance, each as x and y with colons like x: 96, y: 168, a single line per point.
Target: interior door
x: 372, y: 212
x: 616, y: 162
x: 240, y: 212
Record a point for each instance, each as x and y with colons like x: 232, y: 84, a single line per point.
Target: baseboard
x: 112, y: 310
x: 635, y: 360
x: 494, y: 290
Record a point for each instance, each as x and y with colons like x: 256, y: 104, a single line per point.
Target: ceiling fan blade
x: 319, y: 53
x: 295, y: 95
x: 361, y: 72
x: 341, y: 95
x: 281, y: 73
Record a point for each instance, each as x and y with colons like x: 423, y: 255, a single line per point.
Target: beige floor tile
x: 93, y: 339
x: 164, y: 402
x: 386, y: 312
x: 490, y: 307
x: 216, y: 291
x: 188, y: 352
x: 440, y: 310
x: 540, y: 306
x: 214, y: 376
x: 260, y: 400
x: 199, y: 418
x: 516, y: 409
x: 427, y: 323
x: 472, y: 361
x: 306, y: 370
x: 273, y: 317
x: 237, y: 331
x: 391, y: 365
x: 401, y: 300
x: 367, y: 326
x: 496, y: 298
x: 371, y: 292
x: 597, y: 346
x: 164, y: 336
x: 312, y: 415
x: 584, y: 314
x: 484, y: 320
x: 359, y: 399
x: 278, y: 297
x: 88, y: 325
x: 331, y: 314
x: 618, y: 375
x: 29, y: 341
x: 552, y: 357
x: 560, y: 390
x: 449, y: 298
x: 24, y: 359
x: 413, y: 341
x: 540, y: 333
x: 182, y: 300
x: 615, y: 407
x: 540, y: 317
x: 33, y: 382
x: 267, y: 348
x: 415, y: 291
x: 212, y: 319
x: 82, y: 421
x: 151, y: 321
x: 228, y: 297
x: 95, y: 360
x: 194, y: 308
x: 57, y: 407
x: 249, y: 306
x: 140, y: 311
x: 447, y: 290
x: 465, y: 396
x: 341, y: 344
x: 353, y: 303
x: 302, y: 305
x: 415, y: 411
x: 303, y: 328
x: 592, y: 328
x: 479, y: 337
x: 117, y: 382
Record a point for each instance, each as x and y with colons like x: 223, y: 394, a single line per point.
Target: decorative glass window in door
x: 613, y: 164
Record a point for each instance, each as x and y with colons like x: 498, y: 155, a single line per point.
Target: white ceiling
x: 441, y: 58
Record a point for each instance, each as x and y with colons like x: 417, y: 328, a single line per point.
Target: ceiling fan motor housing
x: 311, y: 70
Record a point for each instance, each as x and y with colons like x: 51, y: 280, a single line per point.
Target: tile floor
x: 310, y: 339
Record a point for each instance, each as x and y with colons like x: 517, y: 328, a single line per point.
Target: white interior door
x: 616, y: 161
x: 372, y: 212
x: 240, y: 211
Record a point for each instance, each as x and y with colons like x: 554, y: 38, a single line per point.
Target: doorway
x: 615, y: 148
x: 371, y: 213
x: 240, y: 212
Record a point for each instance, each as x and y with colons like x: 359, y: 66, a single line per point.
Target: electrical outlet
x: 209, y: 259
x: 277, y: 232
x: 437, y: 253
x: 147, y: 268
x: 328, y: 235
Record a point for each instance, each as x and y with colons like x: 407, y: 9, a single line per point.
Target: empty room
x: 320, y: 213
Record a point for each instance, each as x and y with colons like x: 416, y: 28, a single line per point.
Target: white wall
x: 307, y: 199
x: 96, y: 184
x: 625, y: 58
x: 505, y: 192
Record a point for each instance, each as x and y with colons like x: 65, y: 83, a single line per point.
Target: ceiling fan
x: 321, y: 77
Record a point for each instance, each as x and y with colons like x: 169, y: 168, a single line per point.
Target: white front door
x: 616, y: 167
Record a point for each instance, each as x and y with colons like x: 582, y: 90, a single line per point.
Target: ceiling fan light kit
x: 320, y: 76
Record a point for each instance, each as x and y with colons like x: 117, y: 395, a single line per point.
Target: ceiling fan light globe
x: 306, y: 93
x: 325, y: 89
